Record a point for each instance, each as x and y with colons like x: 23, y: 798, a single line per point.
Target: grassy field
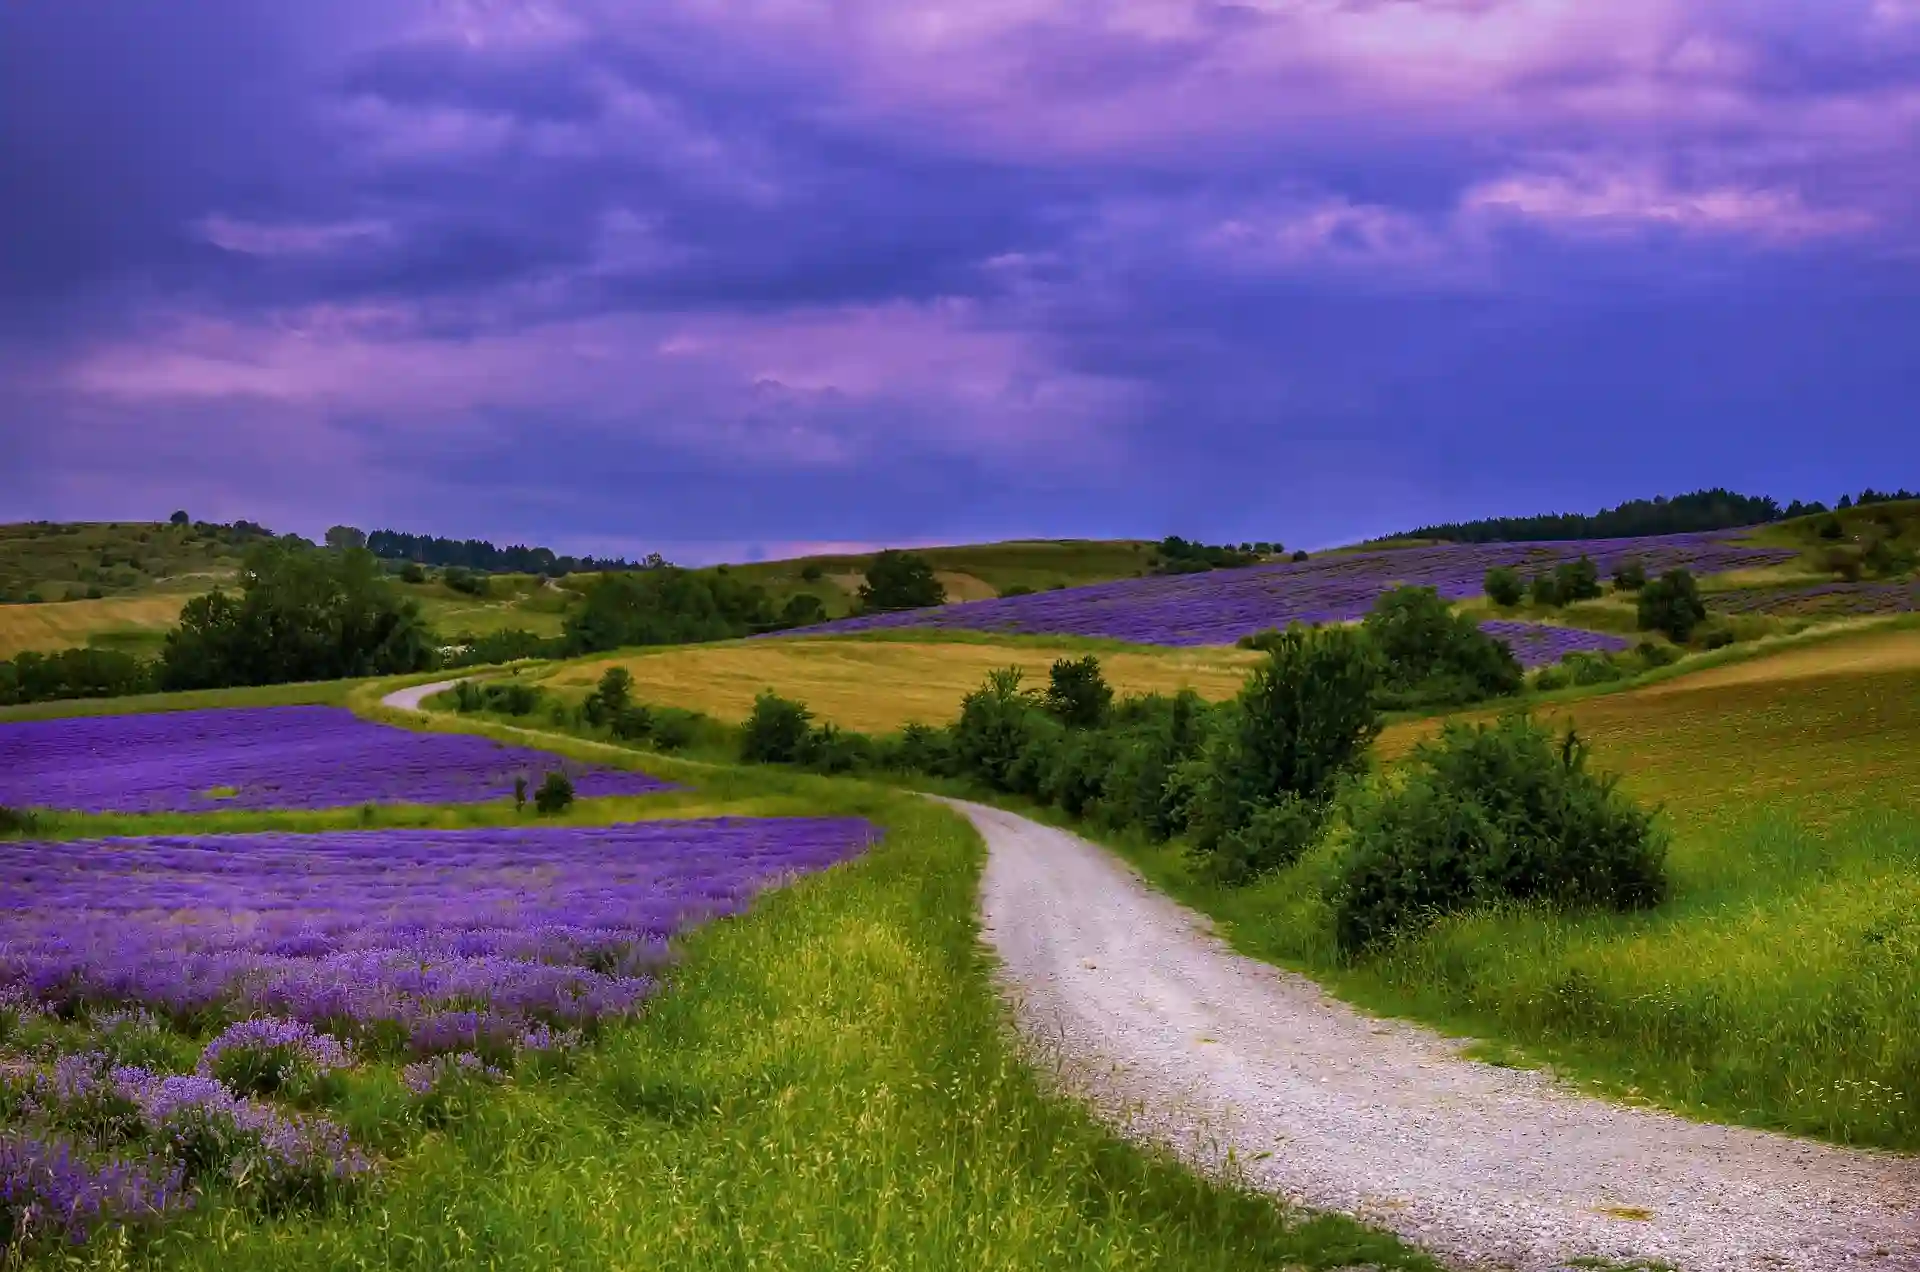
x: 877, y: 686
x: 825, y: 1082
x: 328, y: 692
x: 135, y: 623
x: 1779, y: 987
x: 68, y: 561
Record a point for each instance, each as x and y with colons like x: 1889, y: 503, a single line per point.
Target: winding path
x: 1186, y: 1042
x: 1203, y: 1049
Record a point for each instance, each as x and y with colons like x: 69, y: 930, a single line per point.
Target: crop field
x: 1780, y: 984
x: 65, y: 624
x: 57, y: 562
x: 878, y: 686
x: 720, y: 1036
x: 1220, y: 607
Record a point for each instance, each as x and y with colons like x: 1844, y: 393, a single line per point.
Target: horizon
x: 738, y: 281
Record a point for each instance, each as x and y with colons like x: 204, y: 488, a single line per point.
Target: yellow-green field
x: 878, y: 686
x: 64, y: 624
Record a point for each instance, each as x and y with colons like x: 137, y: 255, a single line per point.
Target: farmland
x: 383, y: 1016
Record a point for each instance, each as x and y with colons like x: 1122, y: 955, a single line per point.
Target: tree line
x: 479, y: 554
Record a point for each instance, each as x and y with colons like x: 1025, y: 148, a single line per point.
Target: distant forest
x: 1716, y: 509
x: 478, y: 554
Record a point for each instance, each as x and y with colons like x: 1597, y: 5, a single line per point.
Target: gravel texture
x: 1158, y: 1022
x: 411, y: 698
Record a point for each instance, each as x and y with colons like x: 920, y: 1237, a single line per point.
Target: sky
x: 735, y: 278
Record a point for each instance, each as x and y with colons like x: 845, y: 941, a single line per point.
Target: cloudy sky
x: 725, y: 277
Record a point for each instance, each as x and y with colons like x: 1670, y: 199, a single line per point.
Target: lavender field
x: 1220, y: 607
x: 266, y: 758
x: 1537, y: 644
x: 1820, y: 600
x: 299, y: 960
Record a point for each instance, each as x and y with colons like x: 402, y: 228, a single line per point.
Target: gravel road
x: 410, y: 698
x: 1159, y: 1022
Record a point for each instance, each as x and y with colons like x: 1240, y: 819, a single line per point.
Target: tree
x: 1631, y: 576
x: 1433, y: 655
x: 665, y: 606
x: 1077, y: 693
x: 180, y: 519
x: 1544, y: 589
x: 803, y: 609
x: 900, y: 581
x: 1504, y: 586
x: 1671, y: 604
x: 776, y: 730
x: 301, y: 614
x: 340, y: 538
x: 1576, y: 580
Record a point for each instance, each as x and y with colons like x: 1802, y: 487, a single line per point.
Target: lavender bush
x: 1220, y: 607
x: 265, y: 757
x: 1538, y: 644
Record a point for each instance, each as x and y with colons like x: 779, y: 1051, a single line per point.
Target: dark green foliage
x: 611, y: 695
x: 1153, y: 736
x: 412, y: 573
x: 1504, y: 586
x: 18, y: 821
x: 776, y: 732
x: 675, y: 729
x: 1300, y: 727
x: 1653, y: 654
x: 811, y: 572
x: 1830, y: 527
x: 505, y: 697
x: 1717, y: 637
x: 1432, y: 655
x: 1078, y: 769
x: 632, y: 723
x: 74, y: 673
x: 1176, y: 555
x: 1715, y: 509
x: 478, y: 554
x: 921, y: 748
x: 1886, y: 559
x: 1301, y: 555
x: 1494, y: 813
x: 1544, y: 589
x: 900, y: 581
x: 665, y: 606
x: 179, y: 519
x: 1671, y: 604
x: 1631, y: 576
x: 555, y: 794
x: 505, y: 646
x: 803, y: 609
x: 340, y: 538
x: 1845, y: 562
x: 1577, y: 580
x: 466, y: 581
x: 997, y: 723
x: 1016, y: 589
x: 1077, y: 693
x: 301, y: 615
x: 834, y: 751
x: 519, y: 792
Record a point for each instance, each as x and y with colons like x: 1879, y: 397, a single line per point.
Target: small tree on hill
x: 1576, y: 580
x: 342, y: 537
x: 1543, y: 589
x: 900, y: 581
x: 180, y: 519
x: 1504, y: 586
x: 1672, y: 604
x: 776, y: 731
x: 554, y: 796
x: 1631, y: 576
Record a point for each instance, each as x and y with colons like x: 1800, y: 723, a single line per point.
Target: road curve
x: 411, y: 698
x: 1209, y: 1051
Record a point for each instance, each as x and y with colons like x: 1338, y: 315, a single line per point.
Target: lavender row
x: 1220, y: 607
x: 433, y: 940
x: 1538, y: 644
x: 266, y: 757
x: 1820, y: 598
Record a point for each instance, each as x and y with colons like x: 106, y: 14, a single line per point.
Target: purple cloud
x: 749, y: 273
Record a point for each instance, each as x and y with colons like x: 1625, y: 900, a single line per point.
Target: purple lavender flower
x: 424, y: 1077
x: 268, y: 1054
x: 266, y: 757
x: 49, y: 1191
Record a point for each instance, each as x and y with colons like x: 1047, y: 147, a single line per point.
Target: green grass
x: 324, y: 692
x: 1779, y: 987
x: 61, y: 562
x: 825, y: 1082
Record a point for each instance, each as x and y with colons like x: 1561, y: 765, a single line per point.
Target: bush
x: 1717, y: 637
x: 1631, y: 576
x: 1886, y: 559
x: 1504, y: 586
x: 1077, y: 693
x: 555, y: 794
x: 411, y: 572
x: 632, y: 723
x: 776, y: 731
x: 1300, y: 727
x: 1300, y: 555
x: 466, y: 581
x: 1016, y: 589
x: 1583, y: 667
x: 833, y: 750
x: 803, y: 609
x: 1153, y: 737
x: 811, y: 572
x: 1845, y: 563
x: 1577, y: 580
x: 17, y: 821
x: 1653, y: 654
x: 1494, y: 813
x: 1830, y: 527
x: 920, y: 748
x: 1077, y: 772
x: 74, y: 673
x: 1433, y: 655
x: 674, y: 729
x: 1543, y: 589
x: 996, y: 725
x: 611, y: 695
x: 1671, y: 604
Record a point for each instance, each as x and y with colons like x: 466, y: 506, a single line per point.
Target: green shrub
x: 555, y: 794
x: 1845, y: 563
x: 412, y: 573
x: 1589, y: 668
x: 1300, y: 727
x: 1548, y: 679
x: 1300, y: 555
x: 1653, y: 654
x: 918, y: 748
x: 1631, y: 576
x: 1433, y: 655
x: 1886, y: 559
x: 1543, y: 589
x: 611, y: 695
x: 900, y: 581
x: 1016, y: 589
x: 1077, y: 772
x: 832, y: 750
x: 811, y: 572
x: 466, y: 581
x: 1077, y: 693
x: 18, y: 821
x: 1153, y: 736
x: 1671, y: 604
x: 1577, y: 580
x: 467, y: 697
x: 776, y: 731
x: 1718, y: 636
x: 1489, y: 814
x: 994, y: 729
x: 1505, y: 587
x: 674, y: 729
x: 632, y: 724
x: 803, y: 609
x: 1830, y: 527
x: 1273, y: 837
